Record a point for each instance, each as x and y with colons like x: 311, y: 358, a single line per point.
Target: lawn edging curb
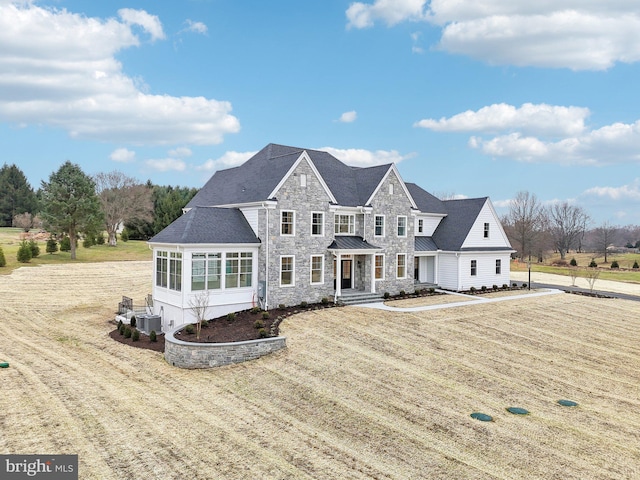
x: 181, y: 354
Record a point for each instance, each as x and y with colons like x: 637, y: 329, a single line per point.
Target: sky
x: 470, y: 98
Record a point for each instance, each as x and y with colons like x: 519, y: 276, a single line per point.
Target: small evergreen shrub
x: 65, y: 244
x: 282, y: 306
x: 635, y: 265
x: 24, y: 252
x: 35, y: 248
x: 258, y: 324
x: 88, y: 241
x: 231, y: 317
x: 505, y: 286
x: 133, y: 321
x: 402, y: 293
x: 432, y: 290
x: 100, y: 239
x: 135, y: 335
x: 265, y: 315
x: 524, y: 285
x: 263, y: 333
x: 127, y: 332
x: 255, y: 310
x: 189, y: 329
x: 495, y: 287
x: 387, y: 295
x: 153, y: 337
x: 303, y: 304
x: 124, y: 236
x: 204, y: 323
x: 573, y: 262
x: 325, y: 300
x: 52, y: 246
x: 120, y: 324
x: 615, y: 264
x: 593, y: 263
x: 3, y: 260
x: 472, y: 289
x: 483, y: 288
x: 514, y: 285
x: 122, y: 329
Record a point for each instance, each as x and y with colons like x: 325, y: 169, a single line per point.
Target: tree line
x: 534, y: 229
x: 73, y: 204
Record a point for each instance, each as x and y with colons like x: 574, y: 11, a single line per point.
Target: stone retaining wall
x: 206, y: 355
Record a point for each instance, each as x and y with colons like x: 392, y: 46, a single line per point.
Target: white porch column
x: 372, y: 258
x: 437, y: 268
x: 339, y: 275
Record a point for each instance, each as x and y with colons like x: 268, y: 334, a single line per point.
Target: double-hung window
x: 162, y: 269
x: 379, y: 266
x: 287, y: 264
x: 486, y: 230
x: 379, y: 226
x: 401, y: 265
x: 474, y: 268
x: 345, y: 224
x: 287, y: 222
x: 402, y: 226
x: 498, y: 267
x: 175, y: 271
x: 317, y: 224
x: 317, y: 269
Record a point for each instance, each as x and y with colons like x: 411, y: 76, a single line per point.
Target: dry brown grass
x: 358, y: 394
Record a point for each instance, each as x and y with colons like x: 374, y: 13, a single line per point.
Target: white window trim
x: 293, y: 271
x: 384, y: 226
x: 384, y: 261
x: 498, y: 266
x: 420, y: 227
x: 311, y: 282
x: 472, y: 268
x: 405, y: 265
x: 351, y: 223
x: 486, y: 230
x: 293, y: 223
x: 321, y: 225
x: 406, y: 226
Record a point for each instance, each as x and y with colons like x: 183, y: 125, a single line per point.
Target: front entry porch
x: 353, y: 267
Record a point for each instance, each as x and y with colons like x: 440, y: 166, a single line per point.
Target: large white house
x: 294, y: 225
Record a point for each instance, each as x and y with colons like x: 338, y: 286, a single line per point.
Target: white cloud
x: 180, y: 152
x: 122, y: 155
x: 60, y: 69
x: 348, y: 117
x: 228, y: 160
x: 196, y: 27
x: 623, y: 192
x: 366, y: 158
x: 575, y: 34
x: 149, y: 23
x: 540, y: 119
x: 166, y: 164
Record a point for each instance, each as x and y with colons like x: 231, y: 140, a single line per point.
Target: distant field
x: 124, y: 251
x: 358, y: 393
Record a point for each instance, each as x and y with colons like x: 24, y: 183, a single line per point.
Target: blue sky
x: 470, y: 98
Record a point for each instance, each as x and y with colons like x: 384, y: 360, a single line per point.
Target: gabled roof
x: 425, y: 202
x: 208, y: 225
x: 455, y: 227
x: 256, y: 179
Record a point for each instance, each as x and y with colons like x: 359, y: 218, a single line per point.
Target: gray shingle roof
x: 424, y: 200
x: 208, y: 225
x: 425, y: 244
x: 346, y: 242
x: 454, y: 228
x: 254, y: 180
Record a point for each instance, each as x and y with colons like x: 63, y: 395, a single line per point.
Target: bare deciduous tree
x: 603, y: 237
x: 199, y: 304
x: 122, y: 199
x: 525, y: 222
x: 592, y: 274
x: 567, y: 224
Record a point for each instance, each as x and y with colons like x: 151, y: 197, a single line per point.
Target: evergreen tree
x: 24, y: 252
x: 52, y: 245
x: 3, y: 260
x: 16, y: 195
x: 35, y: 248
x: 70, y: 204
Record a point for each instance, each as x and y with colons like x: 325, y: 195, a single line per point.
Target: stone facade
x: 207, y: 355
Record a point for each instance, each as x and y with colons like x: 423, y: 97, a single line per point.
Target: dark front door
x: 345, y: 268
x: 416, y: 269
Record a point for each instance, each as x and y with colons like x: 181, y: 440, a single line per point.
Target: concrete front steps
x: 355, y: 298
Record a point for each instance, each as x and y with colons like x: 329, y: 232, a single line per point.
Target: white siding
x: 251, y: 214
x: 429, y: 225
x: 485, y: 270
x: 448, y: 271
x: 497, y: 237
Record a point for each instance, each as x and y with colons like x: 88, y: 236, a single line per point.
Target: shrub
x: 573, y: 262
x: 324, y: 301
x: 483, y: 288
x: 514, y: 285
x: 614, y: 264
x: 402, y: 293
x: 505, y: 286
x: 258, y: 324
x: 432, y: 290
x: 593, y: 263
x: 282, y: 306
x: 231, y: 317
x: 263, y: 333
x: 122, y: 329
x: 635, y: 265
x: 204, y: 323
x: 472, y: 289
x: 387, y: 295
x: 100, y: 239
x: 524, y: 285
x: 560, y: 263
x: 127, y: 332
x: 265, y: 315
x: 153, y: 337
x: 135, y: 335
x: 3, y: 260
x: 133, y: 321
x: 189, y: 329
x: 35, y: 248
x: 52, y: 246
x: 88, y: 241
x: 124, y: 236
x: 120, y: 324
x: 65, y: 244
x: 255, y: 310
x: 24, y: 252
x: 304, y: 304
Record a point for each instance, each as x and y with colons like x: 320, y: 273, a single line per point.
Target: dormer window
x: 486, y: 230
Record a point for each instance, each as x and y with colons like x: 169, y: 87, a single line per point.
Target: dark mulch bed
x: 221, y: 330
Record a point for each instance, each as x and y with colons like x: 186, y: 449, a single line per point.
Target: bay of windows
x: 207, y: 274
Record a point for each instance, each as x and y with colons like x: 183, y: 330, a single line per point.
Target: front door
x: 345, y: 268
x: 416, y: 269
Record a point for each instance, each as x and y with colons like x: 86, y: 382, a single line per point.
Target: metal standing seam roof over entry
x: 348, y: 242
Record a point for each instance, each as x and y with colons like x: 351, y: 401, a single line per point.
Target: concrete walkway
x: 473, y: 300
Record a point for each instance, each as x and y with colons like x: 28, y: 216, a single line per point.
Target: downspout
x: 266, y: 263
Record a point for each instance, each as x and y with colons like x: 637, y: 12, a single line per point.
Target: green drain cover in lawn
x: 518, y: 411
x: 567, y: 403
x: 483, y: 417
x: 4, y: 364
